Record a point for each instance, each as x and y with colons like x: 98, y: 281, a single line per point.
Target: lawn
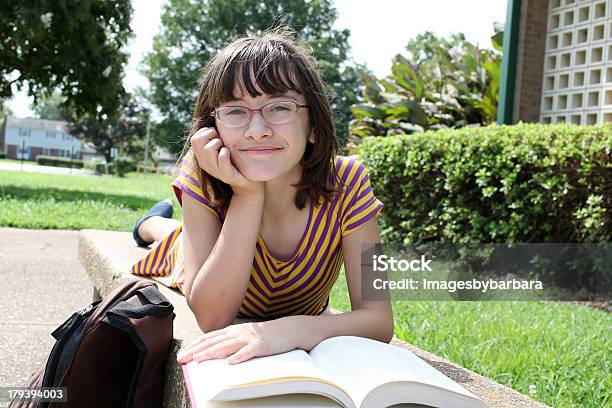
x: 46, y: 201
x: 562, y: 351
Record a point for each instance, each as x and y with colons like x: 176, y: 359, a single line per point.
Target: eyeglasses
x: 275, y: 113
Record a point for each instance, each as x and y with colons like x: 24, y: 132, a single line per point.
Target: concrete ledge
x: 107, y: 257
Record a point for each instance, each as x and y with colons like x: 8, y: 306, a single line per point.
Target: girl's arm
x: 218, y: 259
x: 372, y: 319
x: 243, y: 341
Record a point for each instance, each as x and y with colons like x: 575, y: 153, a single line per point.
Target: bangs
x: 257, y: 68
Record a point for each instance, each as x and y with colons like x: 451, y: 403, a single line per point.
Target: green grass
x: 46, y: 201
x: 562, y: 349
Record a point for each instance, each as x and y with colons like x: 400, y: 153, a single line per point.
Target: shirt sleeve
x: 360, y: 204
x: 187, y: 182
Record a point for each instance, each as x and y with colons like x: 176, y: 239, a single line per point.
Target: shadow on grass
x: 57, y: 194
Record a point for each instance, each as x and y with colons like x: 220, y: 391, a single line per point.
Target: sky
x: 379, y: 30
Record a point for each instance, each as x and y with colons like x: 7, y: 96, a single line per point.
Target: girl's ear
x: 311, y: 138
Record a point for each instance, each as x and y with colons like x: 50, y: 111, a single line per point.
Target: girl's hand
x: 240, y: 342
x: 214, y: 159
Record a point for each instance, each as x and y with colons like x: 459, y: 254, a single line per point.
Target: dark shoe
x: 162, y: 209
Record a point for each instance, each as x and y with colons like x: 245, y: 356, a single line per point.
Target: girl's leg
x: 157, y: 228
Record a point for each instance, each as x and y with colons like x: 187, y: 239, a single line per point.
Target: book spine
x: 188, y: 386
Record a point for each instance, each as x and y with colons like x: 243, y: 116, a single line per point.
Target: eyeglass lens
x: 276, y: 113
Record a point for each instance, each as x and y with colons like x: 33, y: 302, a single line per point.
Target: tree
x: 48, y: 107
x: 5, y: 109
x: 123, y: 131
x: 192, y: 31
x: 72, y: 46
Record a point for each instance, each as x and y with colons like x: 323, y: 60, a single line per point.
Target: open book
x: 341, y: 371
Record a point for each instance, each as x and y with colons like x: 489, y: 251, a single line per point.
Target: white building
x: 28, y: 138
x: 164, y: 158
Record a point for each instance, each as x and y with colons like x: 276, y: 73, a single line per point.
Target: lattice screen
x: 577, y: 86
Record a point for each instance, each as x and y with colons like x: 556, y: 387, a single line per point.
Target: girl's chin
x: 259, y: 174
x: 264, y: 171
x: 260, y: 177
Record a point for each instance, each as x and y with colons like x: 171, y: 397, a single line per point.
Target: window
x: 45, y: 151
x: 24, y: 132
x: 51, y: 134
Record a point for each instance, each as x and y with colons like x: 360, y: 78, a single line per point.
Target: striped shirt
x: 278, y: 287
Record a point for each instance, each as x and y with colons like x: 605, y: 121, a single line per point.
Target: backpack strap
x: 153, y: 295
x: 159, y: 306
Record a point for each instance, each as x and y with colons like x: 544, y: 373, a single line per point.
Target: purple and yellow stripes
x: 304, y: 288
x: 279, y: 287
x: 157, y: 262
x: 187, y: 182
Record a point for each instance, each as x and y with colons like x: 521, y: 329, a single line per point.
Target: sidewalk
x: 28, y: 167
x: 43, y: 284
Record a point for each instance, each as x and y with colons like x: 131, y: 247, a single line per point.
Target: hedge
x: 505, y: 184
x: 2, y: 155
x: 58, y: 162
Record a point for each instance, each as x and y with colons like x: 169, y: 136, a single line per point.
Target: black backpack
x: 109, y: 354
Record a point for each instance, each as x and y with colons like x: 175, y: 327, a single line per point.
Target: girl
x: 269, y: 210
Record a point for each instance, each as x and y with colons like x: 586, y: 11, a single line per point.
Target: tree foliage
x: 124, y: 131
x: 193, y: 31
x: 72, y: 46
x: 48, y: 107
x: 442, y: 83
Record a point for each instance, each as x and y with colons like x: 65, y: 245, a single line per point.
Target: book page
x: 278, y: 401
x: 366, y: 364
x: 293, y: 401
x: 211, y: 378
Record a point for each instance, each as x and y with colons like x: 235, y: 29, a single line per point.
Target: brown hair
x: 279, y: 64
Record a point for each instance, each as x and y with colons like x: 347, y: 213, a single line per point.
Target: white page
x: 367, y: 364
x: 208, y: 378
x: 278, y: 401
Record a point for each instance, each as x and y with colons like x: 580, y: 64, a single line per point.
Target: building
x: 557, y: 64
x: 28, y: 138
x: 163, y: 158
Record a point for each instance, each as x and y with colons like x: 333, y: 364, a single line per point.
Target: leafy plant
x: 122, y: 165
x: 443, y: 83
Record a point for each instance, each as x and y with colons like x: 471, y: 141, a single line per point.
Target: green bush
x: 96, y: 166
x: 498, y: 184
x: 121, y: 166
x: 522, y: 183
x: 58, y: 162
x: 2, y: 155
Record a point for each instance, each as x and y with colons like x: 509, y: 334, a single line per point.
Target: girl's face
x: 280, y: 146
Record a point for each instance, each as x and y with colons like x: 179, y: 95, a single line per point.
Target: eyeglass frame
x: 260, y: 110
